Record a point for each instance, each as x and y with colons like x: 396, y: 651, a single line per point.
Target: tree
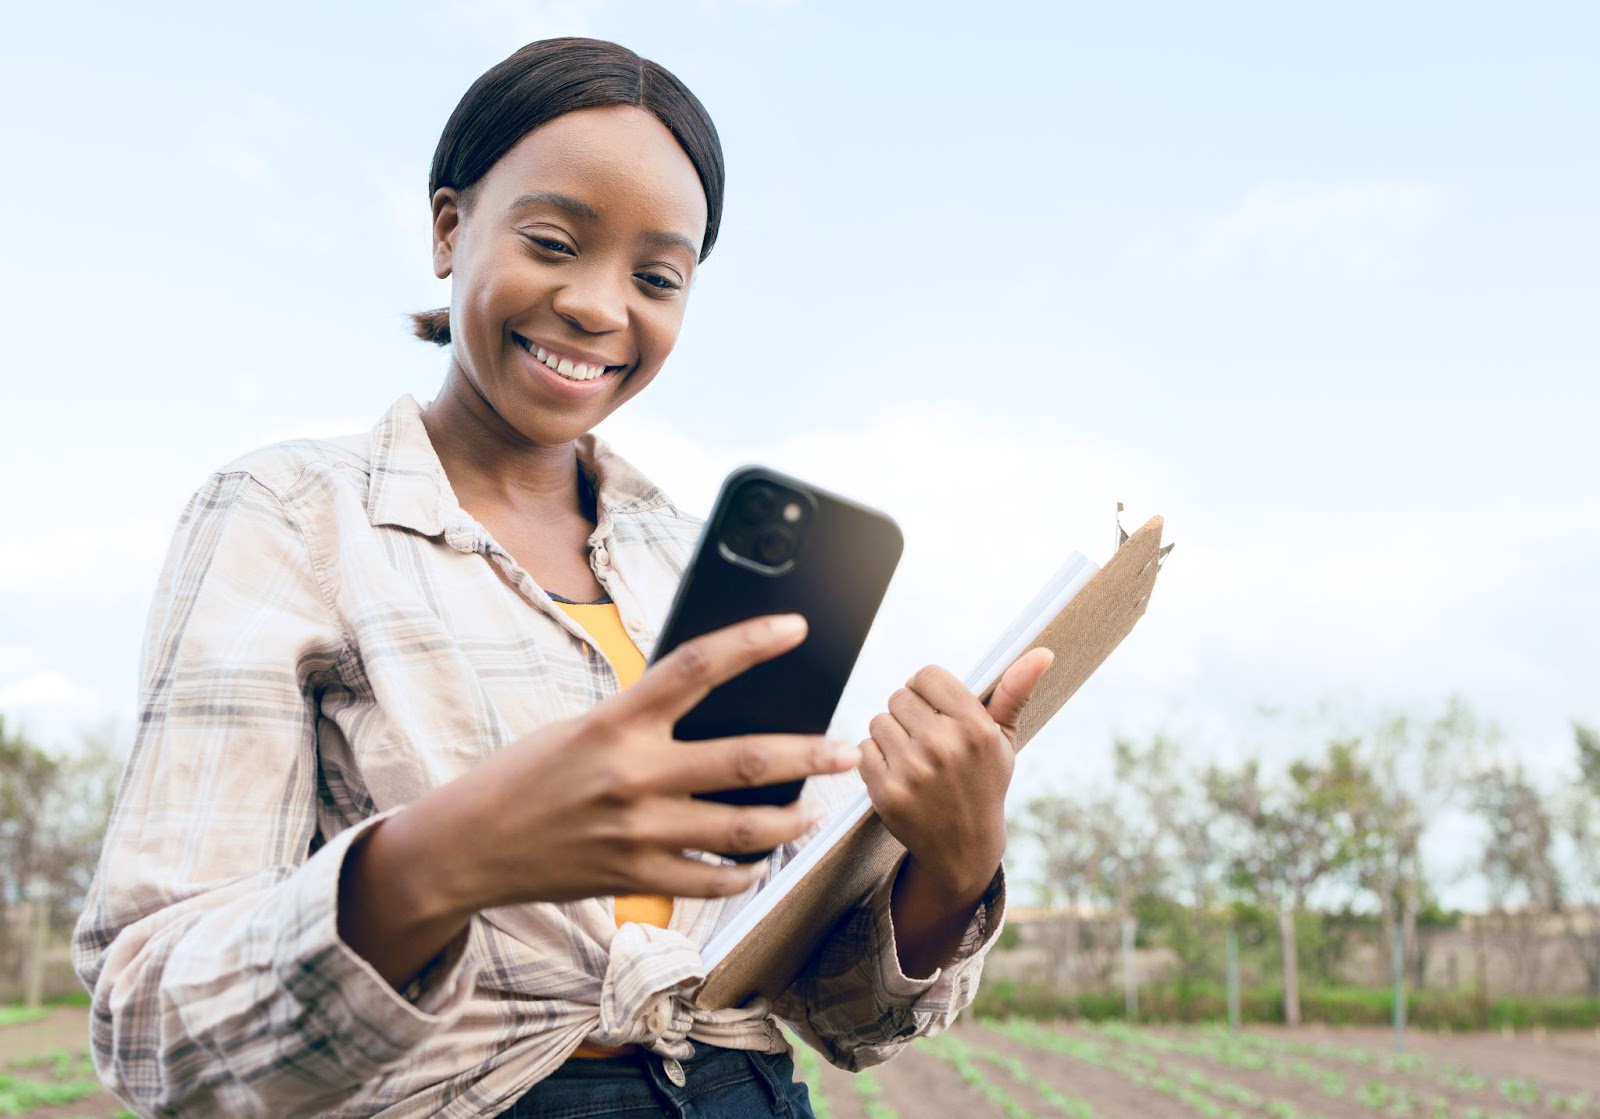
x: 1070, y: 842
x: 1289, y: 838
x: 1419, y: 772
x: 53, y: 813
x: 1186, y: 853
x: 1580, y: 823
x: 1518, y: 861
x: 27, y: 774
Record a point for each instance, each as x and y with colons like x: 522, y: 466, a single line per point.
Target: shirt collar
x: 409, y: 489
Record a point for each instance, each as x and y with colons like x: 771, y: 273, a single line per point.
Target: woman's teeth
x: 571, y: 370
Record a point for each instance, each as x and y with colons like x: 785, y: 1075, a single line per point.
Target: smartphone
x: 776, y: 545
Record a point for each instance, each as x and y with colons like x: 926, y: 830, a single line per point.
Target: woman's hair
x: 545, y: 80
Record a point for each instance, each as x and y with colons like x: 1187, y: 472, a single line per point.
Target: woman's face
x: 570, y: 263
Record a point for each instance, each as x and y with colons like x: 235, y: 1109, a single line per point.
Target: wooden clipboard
x: 1092, y: 624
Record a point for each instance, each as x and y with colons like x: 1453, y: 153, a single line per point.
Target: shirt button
x: 601, y: 556
x: 674, y: 1071
x: 634, y: 626
x: 656, y: 1022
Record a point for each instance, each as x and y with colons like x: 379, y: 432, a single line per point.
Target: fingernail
x: 846, y: 754
x: 787, y: 625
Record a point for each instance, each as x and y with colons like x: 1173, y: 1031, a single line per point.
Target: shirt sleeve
x: 209, y: 940
x: 854, y: 1004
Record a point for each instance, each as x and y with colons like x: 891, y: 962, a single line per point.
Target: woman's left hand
x: 937, y: 768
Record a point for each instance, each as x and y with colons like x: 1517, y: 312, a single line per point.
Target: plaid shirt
x: 332, y: 637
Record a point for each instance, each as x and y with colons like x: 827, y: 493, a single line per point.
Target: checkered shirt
x: 332, y: 637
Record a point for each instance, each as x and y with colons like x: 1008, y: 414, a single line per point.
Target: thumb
x: 1011, y: 694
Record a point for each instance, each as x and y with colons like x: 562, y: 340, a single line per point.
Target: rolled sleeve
x: 858, y: 1008
x: 209, y: 940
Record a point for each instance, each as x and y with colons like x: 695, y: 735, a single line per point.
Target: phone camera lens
x: 774, y: 547
x: 756, y: 503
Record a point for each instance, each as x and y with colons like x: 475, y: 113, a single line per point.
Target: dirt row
x: 1308, y: 1073
x: 1528, y: 1075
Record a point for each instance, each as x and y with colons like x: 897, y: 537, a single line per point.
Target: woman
x: 393, y: 840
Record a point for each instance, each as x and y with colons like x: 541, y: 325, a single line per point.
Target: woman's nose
x: 592, y: 303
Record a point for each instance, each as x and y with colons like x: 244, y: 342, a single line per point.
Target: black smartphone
x: 776, y: 545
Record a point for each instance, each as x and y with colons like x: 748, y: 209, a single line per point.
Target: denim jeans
x: 716, y: 1084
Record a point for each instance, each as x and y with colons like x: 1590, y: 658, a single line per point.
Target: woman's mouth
x: 564, y: 366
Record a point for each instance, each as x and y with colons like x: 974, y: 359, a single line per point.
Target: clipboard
x: 768, y: 956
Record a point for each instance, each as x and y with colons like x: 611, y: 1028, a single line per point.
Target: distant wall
x: 1515, y: 954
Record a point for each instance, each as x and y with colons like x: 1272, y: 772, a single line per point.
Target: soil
x: 1112, y: 1096
x: 916, y: 1083
x: 30, y: 1051
x: 919, y: 1084
x: 1567, y: 1060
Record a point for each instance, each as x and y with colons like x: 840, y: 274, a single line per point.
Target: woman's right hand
x: 597, y: 805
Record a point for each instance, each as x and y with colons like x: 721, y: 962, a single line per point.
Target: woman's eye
x: 658, y: 281
x: 561, y: 248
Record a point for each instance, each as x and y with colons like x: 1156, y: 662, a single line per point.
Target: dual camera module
x: 764, y: 524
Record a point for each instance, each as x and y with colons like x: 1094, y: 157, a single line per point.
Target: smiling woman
x: 405, y: 831
x: 570, y: 263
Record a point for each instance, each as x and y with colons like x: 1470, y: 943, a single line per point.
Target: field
x: 44, y: 1066
x: 1020, y: 1069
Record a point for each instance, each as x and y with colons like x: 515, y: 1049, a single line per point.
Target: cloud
x: 1345, y: 230
x: 75, y: 554
x: 48, y: 688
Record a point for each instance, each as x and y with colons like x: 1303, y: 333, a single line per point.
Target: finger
x: 681, y: 876
x: 874, y: 768
x: 1015, y: 688
x: 889, y: 739
x: 672, y: 686
x: 914, y: 713
x: 703, y: 825
x: 748, y: 760
x: 943, y: 692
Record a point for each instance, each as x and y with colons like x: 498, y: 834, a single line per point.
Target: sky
x: 1317, y: 284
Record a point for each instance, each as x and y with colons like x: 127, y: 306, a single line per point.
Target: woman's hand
x: 597, y: 805
x: 937, y: 768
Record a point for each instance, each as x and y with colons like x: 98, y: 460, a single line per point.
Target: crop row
x: 1145, y: 1060
x: 1289, y: 1059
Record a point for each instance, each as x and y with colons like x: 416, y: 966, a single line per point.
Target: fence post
x: 36, y: 925
x: 1233, y: 980
x: 1130, y: 978
x: 1399, y: 988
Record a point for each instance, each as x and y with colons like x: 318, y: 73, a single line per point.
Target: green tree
x: 1181, y: 881
x: 1066, y: 831
x: 1518, y: 864
x: 27, y: 775
x: 1288, y: 838
x: 53, y: 813
x: 1419, y: 772
x: 1581, y: 825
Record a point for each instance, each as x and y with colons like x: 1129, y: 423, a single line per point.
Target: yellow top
x: 602, y: 622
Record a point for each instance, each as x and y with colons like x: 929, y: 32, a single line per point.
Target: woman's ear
x: 446, y: 226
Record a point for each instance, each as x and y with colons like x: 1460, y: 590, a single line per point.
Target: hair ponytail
x: 432, y: 326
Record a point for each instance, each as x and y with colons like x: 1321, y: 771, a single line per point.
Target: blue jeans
x: 717, y: 1084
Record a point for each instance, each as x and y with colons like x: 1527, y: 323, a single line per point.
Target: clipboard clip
x: 1122, y: 538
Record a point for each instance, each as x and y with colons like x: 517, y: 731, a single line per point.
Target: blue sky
x: 1317, y: 284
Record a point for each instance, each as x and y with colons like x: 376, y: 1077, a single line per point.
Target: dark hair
x: 545, y: 80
